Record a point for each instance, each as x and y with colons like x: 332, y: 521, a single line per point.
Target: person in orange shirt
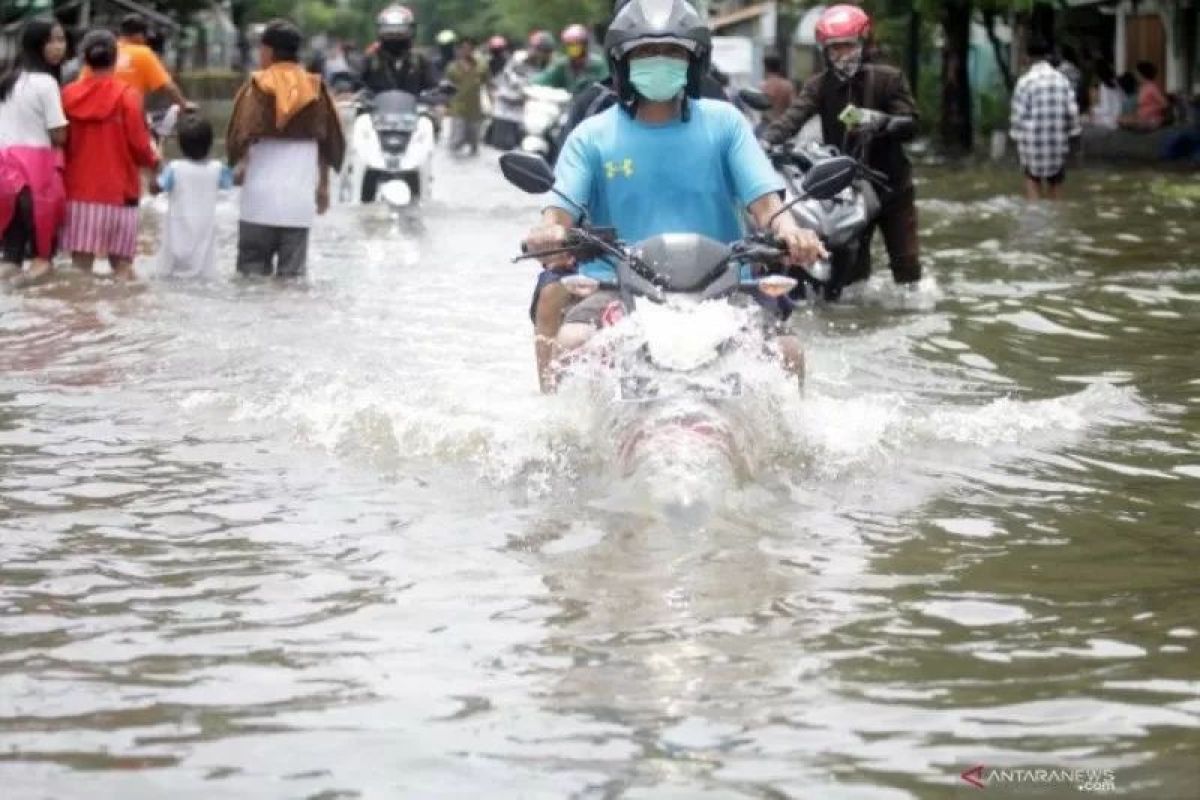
x: 138, y: 65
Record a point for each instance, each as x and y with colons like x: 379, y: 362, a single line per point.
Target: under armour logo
x: 612, y: 168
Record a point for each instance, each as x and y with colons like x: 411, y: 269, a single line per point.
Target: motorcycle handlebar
x: 781, y: 155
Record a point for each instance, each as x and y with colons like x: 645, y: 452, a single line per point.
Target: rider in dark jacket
x: 393, y: 64
x: 887, y: 119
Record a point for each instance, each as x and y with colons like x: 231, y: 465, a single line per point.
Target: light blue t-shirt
x: 679, y: 177
x: 166, y: 178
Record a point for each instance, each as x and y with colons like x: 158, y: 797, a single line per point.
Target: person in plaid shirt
x: 1044, y: 118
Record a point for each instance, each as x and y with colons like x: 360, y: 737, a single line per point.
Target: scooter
x: 685, y: 304
x: 392, y: 142
x: 507, y: 127
x: 545, y: 111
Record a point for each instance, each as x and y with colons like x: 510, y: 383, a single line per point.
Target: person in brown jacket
x: 886, y: 119
x: 283, y: 138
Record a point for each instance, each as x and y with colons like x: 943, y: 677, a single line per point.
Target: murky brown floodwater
x: 327, y: 541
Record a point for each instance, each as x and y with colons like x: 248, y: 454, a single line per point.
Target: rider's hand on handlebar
x: 550, y: 236
x: 865, y: 119
x: 804, y: 247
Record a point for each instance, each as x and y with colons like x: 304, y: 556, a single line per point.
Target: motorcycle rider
x: 578, y: 68
x: 663, y: 161
x: 508, y: 97
x: 540, y: 50
x: 600, y: 95
x: 887, y: 120
x: 447, y: 49
x: 394, y: 65
x: 497, y: 55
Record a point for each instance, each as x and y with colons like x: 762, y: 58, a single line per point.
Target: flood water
x: 327, y: 541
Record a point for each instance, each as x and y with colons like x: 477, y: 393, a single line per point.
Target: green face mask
x: 658, y: 78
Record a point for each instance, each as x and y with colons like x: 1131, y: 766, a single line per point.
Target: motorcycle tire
x: 370, y: 186
x: 372, y: 181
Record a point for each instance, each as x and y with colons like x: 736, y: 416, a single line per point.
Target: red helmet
x: 843, y: 23
x: 497, y: 42
x: 575, y: 34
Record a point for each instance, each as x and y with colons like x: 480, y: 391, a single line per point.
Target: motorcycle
x: 392, y: 141
x: 508, y: 106
x: 545, y: 111
x: 841, y: 221
x: 684, y: 309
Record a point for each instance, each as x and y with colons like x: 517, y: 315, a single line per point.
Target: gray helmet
x: 657, y: 21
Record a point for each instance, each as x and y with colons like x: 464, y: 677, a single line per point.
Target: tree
x: 522, y: 16
x: 957, y: 131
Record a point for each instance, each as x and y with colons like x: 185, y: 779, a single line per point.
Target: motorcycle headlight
x: 776, y: 285
x: 682, y: 338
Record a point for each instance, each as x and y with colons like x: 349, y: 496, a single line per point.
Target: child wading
x: 32, y: 126
x: 192, y: 184
x: 107, y: 141
x: 286, y: 133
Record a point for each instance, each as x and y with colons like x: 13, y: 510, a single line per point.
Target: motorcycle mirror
x: 828, y: 177
x: 824, y: 180
x: 754, y: 99
x: 528, y: 172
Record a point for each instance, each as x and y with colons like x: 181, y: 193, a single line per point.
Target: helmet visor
x: 396, y: 30
x: 623, y: 49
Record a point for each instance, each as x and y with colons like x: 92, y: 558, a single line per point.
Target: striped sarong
x: 100, y: 229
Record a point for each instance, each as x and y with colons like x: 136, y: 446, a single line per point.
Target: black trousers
x: 897, y: 222
x: 18, y: 240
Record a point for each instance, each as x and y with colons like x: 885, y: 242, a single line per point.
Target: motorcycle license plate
x: 643, y: 388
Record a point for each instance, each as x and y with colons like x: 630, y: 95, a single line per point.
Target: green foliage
x: 354, y: 19
x: 929, y: 96
x: 993, y: 111
x: 521, y: 16
x: 263, y: 10
x: 210, y: 84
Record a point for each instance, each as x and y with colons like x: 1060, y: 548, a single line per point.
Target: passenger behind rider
x: 394, y: 65
x: 663, y: 161
x: 578, y: 67
x: 888, y: 121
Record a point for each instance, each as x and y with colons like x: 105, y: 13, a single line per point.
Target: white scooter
x: 391, y: 147
x: 545, y: 109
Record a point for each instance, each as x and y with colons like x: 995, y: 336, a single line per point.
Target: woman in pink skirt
x: 32, y: 126
x: 107, y: 143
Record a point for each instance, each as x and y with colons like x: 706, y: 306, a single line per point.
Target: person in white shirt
x: 32, y: 128
x: 285, y: 136
x: 193, y: 185
x: 1107, y: 98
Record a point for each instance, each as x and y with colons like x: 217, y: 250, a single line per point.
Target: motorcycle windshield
x: 395, y: 111
x: 686, y: 262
